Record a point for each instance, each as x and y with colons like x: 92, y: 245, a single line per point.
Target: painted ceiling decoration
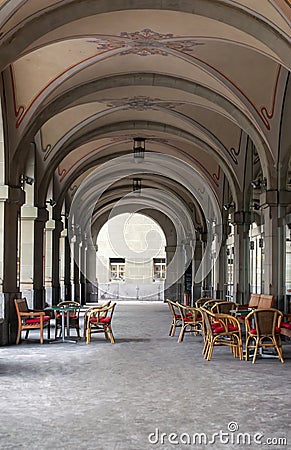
x: 201, y: 80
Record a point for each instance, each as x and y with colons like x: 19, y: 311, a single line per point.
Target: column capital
x: 16, y: 195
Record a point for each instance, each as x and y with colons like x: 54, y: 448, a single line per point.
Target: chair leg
x: 26, y: 334
x: 111, y: 337
x: 256, y: 350
x: 181, y: 335
x: 18, y: 336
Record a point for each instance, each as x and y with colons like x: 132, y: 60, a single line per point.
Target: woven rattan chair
x: 86, y: 314
x: 201, y: 301
x: 221, y: 330
x: 74, y: 317
x: 175, y: 315
x: 263, y: 329
x: 266, y: 301
x: 100, y: 321
x: 191, y: 320
x: 224, y: 307
x: 29, y: 319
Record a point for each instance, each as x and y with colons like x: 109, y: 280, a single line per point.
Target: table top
x: 239, y: 312
x: 62, y: 308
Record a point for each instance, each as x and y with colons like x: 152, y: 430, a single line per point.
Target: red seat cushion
x: 254, y: 331
x: 286, y: 325
x: 72, y: 316
x: 178, y: 316
x: 221, y: 329
x: 37, y: 320
x: 101, y: 320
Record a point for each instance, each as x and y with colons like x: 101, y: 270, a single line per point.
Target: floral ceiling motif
x: 147, y: 42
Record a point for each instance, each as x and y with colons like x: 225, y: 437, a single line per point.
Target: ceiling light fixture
x: 138, y: 149
x: 227, y: 206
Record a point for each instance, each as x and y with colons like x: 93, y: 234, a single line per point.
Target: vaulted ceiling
x: 195, y: 78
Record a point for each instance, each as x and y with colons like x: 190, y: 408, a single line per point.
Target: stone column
x: 241, y: 222
x: 83, y: 269
x: 56, y: 287
x: 91, y: 281
x: 76, y: 267
x: 174, y: 284
x: 16, y: 198
x: 274, y: 205
x: 39, y: 263
x: 198, y: 252
x: 67, y: 268
x: 28, y: 216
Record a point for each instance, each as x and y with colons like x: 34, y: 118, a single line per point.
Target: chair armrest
x: 29, y: 314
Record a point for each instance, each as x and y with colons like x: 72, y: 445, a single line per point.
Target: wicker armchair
x: 87, y: 312
x: 100, y: 321
x: 191, y: 321
x: 74, y: 317
x: 224, y: 307
x: 176, y: 317
x: 263, y: 328
x: 29, y: 319
x: 221, y: 330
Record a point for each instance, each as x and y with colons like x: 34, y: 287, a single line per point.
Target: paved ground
x: 124, y: 396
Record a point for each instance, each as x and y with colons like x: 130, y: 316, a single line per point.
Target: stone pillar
x: 91, y: 281
x: 76, y: 267
x: 198, y: 253
x: 16, y: 198
x: 220, y: 265
x: 56, y: 287
x: 274, y: 205
x: 28, y: 216
x: 174, y: 284
x: 241, y: 280
x: 67, y: 268
x: 39, y: 263
x: 83, y: 269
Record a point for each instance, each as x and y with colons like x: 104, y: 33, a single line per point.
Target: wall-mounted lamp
x: 259, y: 183
x: 256, y: 206
x: 138, y: 149
x: 227, y: 206
x: 26, y: 179
x: 51, y: 202
x: 136, y: 185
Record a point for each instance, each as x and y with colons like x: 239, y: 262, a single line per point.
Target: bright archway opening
x: 131, y: 258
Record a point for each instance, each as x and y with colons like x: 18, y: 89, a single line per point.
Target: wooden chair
x: 30, y: 319
x: 221, y: 330
x: 86, y: 314
x: 253, y: 302
x: 74, y: 317
x: 263, y: 327
x: 224, y: 307
x: 100, y: 321
x: 191, y: 320
x: 286, y: 326
x: 266, y: 301
x: 176, y: 317
x: 201, y: 301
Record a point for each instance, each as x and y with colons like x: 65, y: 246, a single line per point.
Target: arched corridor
x: 177, y: 110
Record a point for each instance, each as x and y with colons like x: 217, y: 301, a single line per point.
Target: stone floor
x: 145, y: 392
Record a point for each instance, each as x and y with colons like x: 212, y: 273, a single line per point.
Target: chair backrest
x: 104, y: 312
x: 69, y: 303
x: 210, y: 303
x: 266, y: 320
x: 173, y: 308
x: 266, y: 301
x: 206, y: 321
x: 21, y: 305
x: 201, y: 301
x: 254, y: 300
x: 224, y: 307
